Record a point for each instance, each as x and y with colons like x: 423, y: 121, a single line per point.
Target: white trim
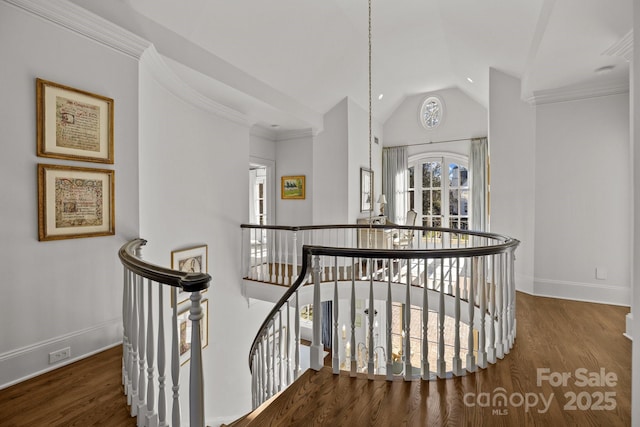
x: 83, y: 22
x: 164, y: 75
x: 30, y: 361
x: 576, y: 93
x: 629, y: 331
x: 288, y: 135
x: 577, y: 291
x: 263, y: 132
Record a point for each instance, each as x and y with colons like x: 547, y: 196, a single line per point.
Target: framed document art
x: 292, y: 187
x: 184, y: 331
x: 75, y: 202
x: 73, y: 124
x: 366, y: 190
x: 190, y: 260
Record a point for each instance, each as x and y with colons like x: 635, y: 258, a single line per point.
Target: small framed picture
x: 293, y: 187
x: 184, y: 331
x: 366, y: 190
x: 190, y: 260
x: 73, y: 124
x: 75, y: 202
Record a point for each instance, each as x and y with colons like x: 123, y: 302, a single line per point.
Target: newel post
x: 196, y: 383
x: 317, y: 349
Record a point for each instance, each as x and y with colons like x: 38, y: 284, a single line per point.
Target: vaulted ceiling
x: 309, y: 54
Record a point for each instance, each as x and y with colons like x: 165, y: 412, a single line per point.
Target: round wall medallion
x: 431, y: 112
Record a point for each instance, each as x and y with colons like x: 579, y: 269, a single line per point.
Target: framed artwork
x: 190, y: 260
x: 184, y: 331
x: 366, y: 190
x: 75, y: 202
x: 293, y: 187
x: 73, y: 124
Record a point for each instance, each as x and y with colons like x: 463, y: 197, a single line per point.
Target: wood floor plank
x: 555, y: 334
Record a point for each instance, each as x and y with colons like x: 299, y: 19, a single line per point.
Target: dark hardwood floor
x: 558, y: 335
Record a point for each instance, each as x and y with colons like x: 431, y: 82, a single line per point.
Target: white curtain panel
x: 478, y: 165
x: 395, y: 182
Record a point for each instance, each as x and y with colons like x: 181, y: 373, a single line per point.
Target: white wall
x: 358, y: 155
x: 58, y: 293
x: 512, y: 150
x: 262, y: 147
x: 582, y: 199
x: 463, y: 118
x: 635, y: 150
x: 331, y: 165
x: 194, y: 190
x: 295, y: 157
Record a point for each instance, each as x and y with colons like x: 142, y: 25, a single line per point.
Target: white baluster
x: 442, y: 363
x: 151, y: 417
x: 408, y: 370
x: 269, y: 371
x: 482, y: 345
x: 162, y: 398
x: 196, y: 376
x: 499, y: 308
x: 288, y: 348
x: 471, y: 359
x: 294, y: 267
x: 317, y: 349
x: 298, y: 369
x: 280, y: 343
x: 426, y: 370
x: 352, y: 348
x: 336, y: 342
x: 457, y: 361
x: 142, y: 408
x: 281, y: 267
x: 389, y: 316
x: 271, y: 265
x: 125, y: 327
x: 132, y: 399
x: 175, y: 363
x: 370, y: 344
x: 491, y: 342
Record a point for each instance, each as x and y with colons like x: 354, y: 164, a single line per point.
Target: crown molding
x: 263, y: 132
x: 164, y: 75
x: 287, y: 135
x: 576, y: 93
x: 81, y: 21
x: 622, y: 48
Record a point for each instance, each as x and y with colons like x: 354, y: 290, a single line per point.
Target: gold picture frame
x: 191, y: 260
x: 292, y: 187
x: 184, y: 331
x: 75, y: 202
x: 73, y: 124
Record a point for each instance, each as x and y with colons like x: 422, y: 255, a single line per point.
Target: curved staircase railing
x: 142, y: 341
x: 465, y: 280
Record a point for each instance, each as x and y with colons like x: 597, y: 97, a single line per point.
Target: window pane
x: 436, y: 222
x: 426, y: 202
x: 464, y: 202
x: 437, y: 197
x: 261, y: 190
x: 426, y: 175
x: 412, y: 201
x: 437, y: 174
x: 411, y: 178
x: 464, y: 174
x: 453, y: 175
x: 453, y: 202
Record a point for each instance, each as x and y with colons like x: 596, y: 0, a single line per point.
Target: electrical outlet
x: 58, y: 355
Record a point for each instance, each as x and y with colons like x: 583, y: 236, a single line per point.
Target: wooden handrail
x: 188, y: 282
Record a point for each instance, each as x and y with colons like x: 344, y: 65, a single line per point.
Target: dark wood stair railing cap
x: 188, y: 282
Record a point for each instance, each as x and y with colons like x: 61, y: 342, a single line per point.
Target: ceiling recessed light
x: 469, y: 79
x: 275, y: 126
x: 380, y: 96
x: 605, y: 70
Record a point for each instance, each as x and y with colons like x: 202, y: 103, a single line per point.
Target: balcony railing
x: 414, y: 302
x: 142, y: 341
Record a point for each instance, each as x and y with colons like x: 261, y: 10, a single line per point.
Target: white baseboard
x: 629, y: 332
x: 587, y: 292
x: 27, y: 362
